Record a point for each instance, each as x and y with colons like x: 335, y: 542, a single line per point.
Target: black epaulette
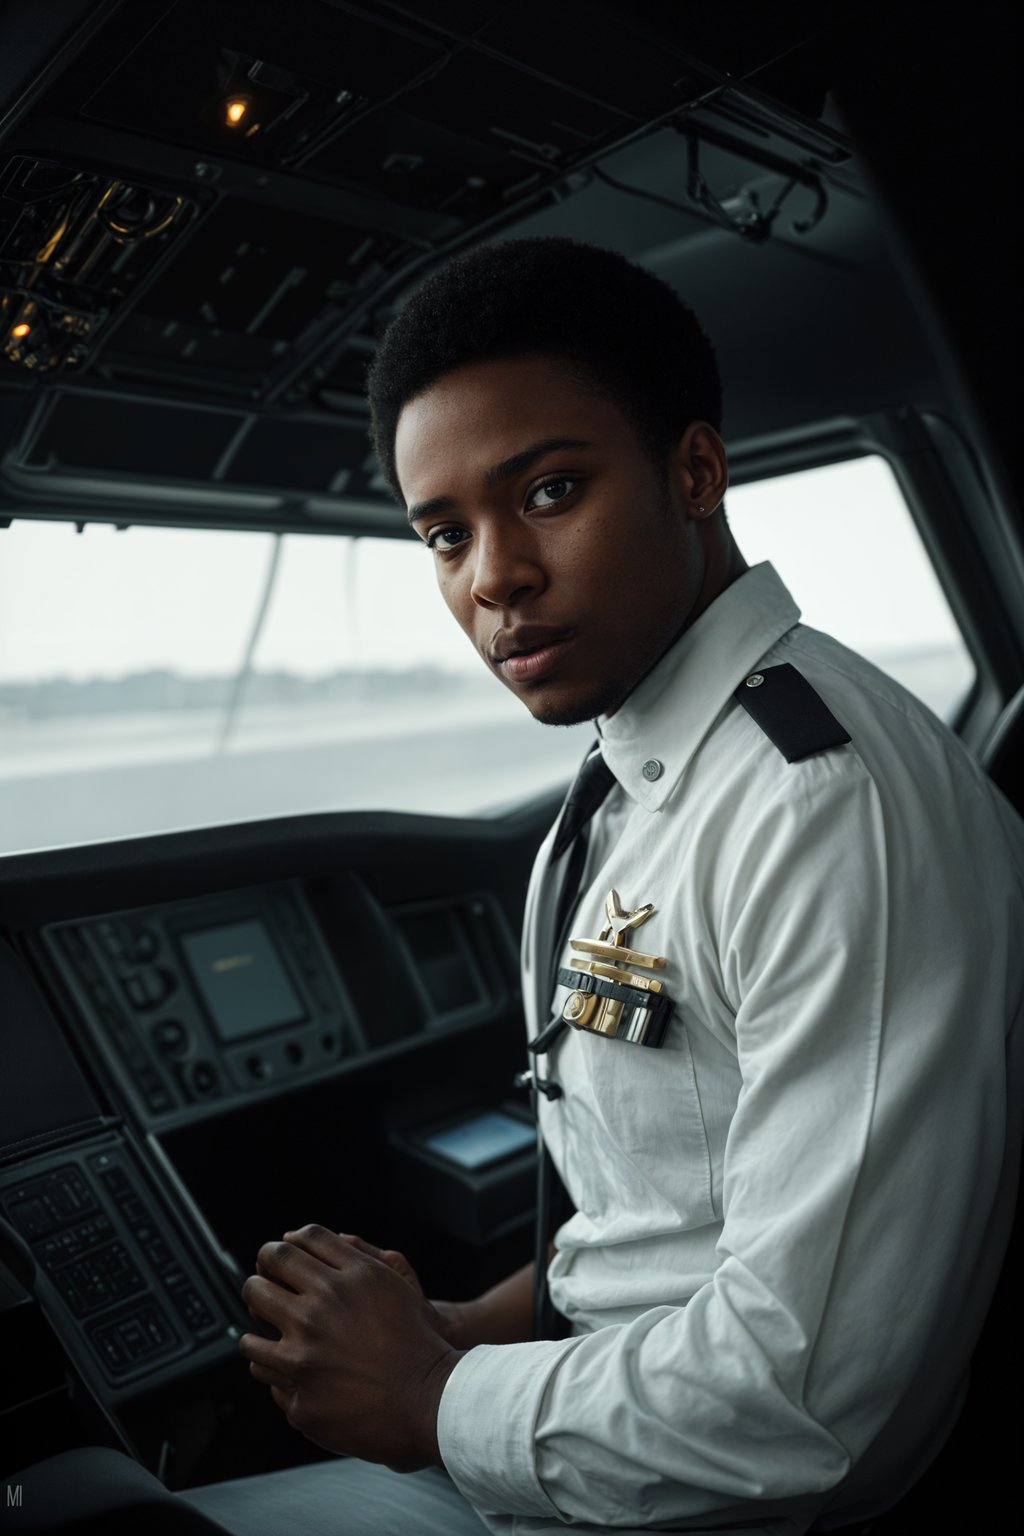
x: 783, y: 703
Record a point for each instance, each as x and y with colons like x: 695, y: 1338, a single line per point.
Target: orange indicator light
x: 21, y: 330
x: 235, y: 110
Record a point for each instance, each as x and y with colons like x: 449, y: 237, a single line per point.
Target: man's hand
x: 448, y: 1316
x: 361, y: 1362
x: 502, y: 1315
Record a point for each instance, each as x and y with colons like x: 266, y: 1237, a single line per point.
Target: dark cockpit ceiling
x: 208, y: 211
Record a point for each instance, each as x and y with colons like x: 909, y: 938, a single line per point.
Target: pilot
x: 791, y: 1199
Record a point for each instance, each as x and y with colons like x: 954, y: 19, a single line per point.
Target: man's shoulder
x: 827, y: 681
x: 855, y: 721
x: 813, y: 712
x: 790, y: 712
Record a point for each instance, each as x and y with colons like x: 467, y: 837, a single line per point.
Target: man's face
x: 569, y: 559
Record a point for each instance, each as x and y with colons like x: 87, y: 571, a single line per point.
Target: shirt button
x: 755, y: 680
x: 652, y: 769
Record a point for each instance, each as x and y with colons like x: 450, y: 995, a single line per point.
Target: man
x: 789, y: 1216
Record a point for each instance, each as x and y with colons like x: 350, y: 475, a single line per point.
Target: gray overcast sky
x: 104, y: 604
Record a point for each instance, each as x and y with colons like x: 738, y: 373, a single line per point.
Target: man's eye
x: 553, y: 490
x: 444, y: 540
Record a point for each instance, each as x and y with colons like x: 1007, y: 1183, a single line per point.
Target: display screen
x: 485, y: 1139
x: 242, y: 982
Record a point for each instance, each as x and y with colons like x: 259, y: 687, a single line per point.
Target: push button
x: 116, y: 1181
x: 203, y: 1078
x: 110, y: 938
x: 145, y: 944
x: 135, y: 991
x: 68, y: 1245
x: 158, y: 1254
x: 66, y: 1194
x: 192, y: 1309
x: 50, y: 1202
x: 148, y: 988
x: 126, y: 1341
x: 153, y: 1091
x: 31, y: 1218
x: 170, y: 1037
x: 112, y: 1350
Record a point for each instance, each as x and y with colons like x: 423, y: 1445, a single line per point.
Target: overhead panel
x: 198, y: 285
x: 255, y: 292
x: 209, y: 210
x: 296, y: 70
x: 401, y: 155
x: 74, y: 248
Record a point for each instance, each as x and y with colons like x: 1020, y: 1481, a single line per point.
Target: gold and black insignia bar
x: 608, y: 994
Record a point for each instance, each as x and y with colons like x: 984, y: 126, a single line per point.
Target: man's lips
x: 525, y: 657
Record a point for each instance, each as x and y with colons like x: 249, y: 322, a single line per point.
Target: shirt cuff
x: 486, y: 1421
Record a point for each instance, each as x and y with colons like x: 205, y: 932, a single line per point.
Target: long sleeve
x: 859, y: 1173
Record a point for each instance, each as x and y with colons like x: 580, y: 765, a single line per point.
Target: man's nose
x: 505, y: 567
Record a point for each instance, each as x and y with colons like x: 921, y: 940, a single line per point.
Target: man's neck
x: 725, y: 564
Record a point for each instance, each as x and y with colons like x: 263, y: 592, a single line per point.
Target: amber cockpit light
x: 234, y: 111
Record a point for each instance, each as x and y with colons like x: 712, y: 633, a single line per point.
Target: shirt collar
x: 667, y: 716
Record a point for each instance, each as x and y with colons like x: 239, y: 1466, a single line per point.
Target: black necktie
x: 589, y: 790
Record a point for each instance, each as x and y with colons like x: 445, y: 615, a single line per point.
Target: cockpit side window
x: 842, y: 538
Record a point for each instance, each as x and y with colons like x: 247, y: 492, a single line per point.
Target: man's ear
x: 701, y: 470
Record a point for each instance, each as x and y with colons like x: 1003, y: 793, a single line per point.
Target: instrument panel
x: 195, y: 1006
x: 106, y: 1252
x: 203, y: 1001
x: 126, y: 1213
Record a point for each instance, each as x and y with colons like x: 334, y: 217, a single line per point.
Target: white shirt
x: 791, y: 1216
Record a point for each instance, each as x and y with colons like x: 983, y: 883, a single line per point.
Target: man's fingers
x: 319, y: 1242
x: 294, y: 1267
x: 260, y: 1351
x: 389, y: 1256
x: 361, y: 1244
x: 262, y: 1326
x: 268, y: 1302
x: 284, y: 1399
x: 261, y: 1271
x: 269, y: 1377
x: 290, y: 1261
x: 325, y: 1245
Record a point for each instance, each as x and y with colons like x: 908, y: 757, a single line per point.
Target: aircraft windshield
x: 157, y: 679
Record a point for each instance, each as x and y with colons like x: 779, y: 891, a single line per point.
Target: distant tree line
x: 158, y: 689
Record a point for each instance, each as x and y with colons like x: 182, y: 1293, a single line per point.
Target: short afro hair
x: 625, y: 332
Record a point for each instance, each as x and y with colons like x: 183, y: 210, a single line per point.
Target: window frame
x: 977, y: 557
